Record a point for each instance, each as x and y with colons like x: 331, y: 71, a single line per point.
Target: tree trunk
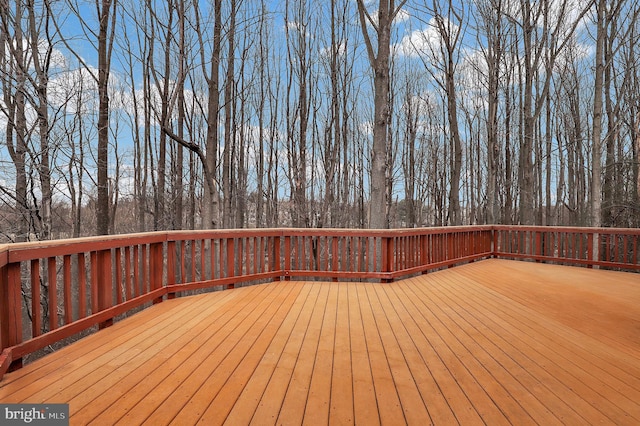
x: 378, y: 217
x: 229, y: 133
x: 596, y: 144
x: 211, y: 203
x: 105, y: 41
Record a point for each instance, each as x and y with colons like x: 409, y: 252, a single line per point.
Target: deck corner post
x: 104, y: 280
x: 334, y: 257
x: 156, y: 268
x: 171, y: 266
x: 231, y: 260
x: 276, y: 264
x: 287, y: 257
x: 593, y: 252
x: 387, y: 257
x: 10, y: 310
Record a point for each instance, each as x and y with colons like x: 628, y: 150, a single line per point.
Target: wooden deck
x: 493, y: 342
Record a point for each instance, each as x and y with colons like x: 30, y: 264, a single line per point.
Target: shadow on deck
x: 492, y: 342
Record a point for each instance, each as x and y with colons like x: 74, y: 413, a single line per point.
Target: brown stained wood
x: 599, y: 305
x: 319, y: 397
x: 36, y: 307
x: 232, y: 377
x: 365, y: 405
x: 389, y: 407
x: 176, y: 384
x: 489, y: 373
x: 118, y: 271
x: 341, y: 392
x: 295, y: 400
x: 232, y: 367
x: 168, y: 349
x: 405, y: 383
x: 68, y: 305
x: 538, y: 380
x: 242, y: 411
x: 268, y: 405
x: 82, y: 286
x: 47, y: 375
x: 52, y: 290
x: 492, y: 342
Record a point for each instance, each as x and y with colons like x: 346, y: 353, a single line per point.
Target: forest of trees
x: 128, y: 116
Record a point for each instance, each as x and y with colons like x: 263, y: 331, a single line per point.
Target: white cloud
x: 366, y: 128
x: 76, y: 88
x: 426, y: 41
x: 401, y: 16
x: 342, y: 49
x: 58, y: 59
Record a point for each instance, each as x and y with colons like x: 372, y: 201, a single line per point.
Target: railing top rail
x: 17, y: 252
x: 4, y: 255
x: 590, y: 230
x: 40, y: 249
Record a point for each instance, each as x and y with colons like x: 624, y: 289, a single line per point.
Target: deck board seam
x: 566, y: 359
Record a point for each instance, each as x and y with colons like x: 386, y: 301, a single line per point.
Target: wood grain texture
x: 491, y: 342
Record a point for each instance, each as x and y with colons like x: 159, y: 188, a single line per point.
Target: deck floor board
x: 491, y: 342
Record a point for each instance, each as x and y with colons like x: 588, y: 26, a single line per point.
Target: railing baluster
x: 246, y: 249
x: 254, y: 241
x: 36, y: 307
x: 136, y: 270
x: 230, y: 260
x: 203, y: 259
x: 212, y: 258
x: 119, y: 292
x: 127, y: 273
x: 145, y: 269
x: 194, y: 261
x: 105, y: 290
x: 287, y: 255
x: 66, y: 278
x: 183, y: 263
x: 52, y: 293
x: 11, y: 309
x: 155, y: 269
x: 171, y: 266
x: 82, y: 286
x: 227, y: 257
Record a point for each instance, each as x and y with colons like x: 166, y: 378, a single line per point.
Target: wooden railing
x: 604, y: 247
x: 53, y: 290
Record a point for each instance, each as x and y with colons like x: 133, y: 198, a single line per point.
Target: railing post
x: 231, y: 263
x: 10, y: 310
x: 171, y: 266
x: 104, y: 281
x: 450, y: 236
x: 276, y: 262
x: 52, y: 282
x: 387, y: 256
x: 334, y: 256
x: 591, y: 241
x: 156, y: 266
x: 287, y: 257
x: 424, y: 253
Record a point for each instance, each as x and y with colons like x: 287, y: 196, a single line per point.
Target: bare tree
x: 379, y: 61
x: 490, y: 18
x: 596, y: 141
x: 107, y: 17
x: 14, y: 67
